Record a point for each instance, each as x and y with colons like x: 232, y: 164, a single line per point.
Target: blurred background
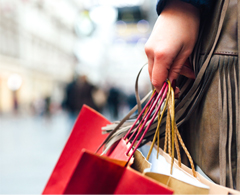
x: 56, y: 55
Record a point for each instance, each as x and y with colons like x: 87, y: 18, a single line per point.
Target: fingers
x: 163, y: 67
x: 187, y: 72
x: 159, y: 63
x: 160, y: 70
x: 176, y: 93
x: 150, y: 67
x: 177, y: 67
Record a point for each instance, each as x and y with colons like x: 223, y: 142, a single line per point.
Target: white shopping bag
x: 181, y: 180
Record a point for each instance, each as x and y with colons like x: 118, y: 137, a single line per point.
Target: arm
x: 171, y: 42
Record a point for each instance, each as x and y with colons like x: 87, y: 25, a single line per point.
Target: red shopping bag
x: 95, y: 174
x: 79, y: 172
x: 86, y: 134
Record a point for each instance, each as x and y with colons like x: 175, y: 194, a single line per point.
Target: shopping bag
x: 79, y: 171
x: 213, y: 187
x: 96, y: 174
x: 119, y: 151
x: 86, y: 133
x: 180, y: 181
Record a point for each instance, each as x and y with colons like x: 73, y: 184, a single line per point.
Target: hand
x: 171, y: 42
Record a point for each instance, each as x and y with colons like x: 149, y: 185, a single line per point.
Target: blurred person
x: 211, y: 121
x: 47, y: 106
x: 15, y: 102
x: 113, y: 102
x: 77, y: 93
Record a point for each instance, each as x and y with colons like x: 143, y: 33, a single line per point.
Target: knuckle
x: 148, y: 49
x: 162, y: 55
x: 155, y: 83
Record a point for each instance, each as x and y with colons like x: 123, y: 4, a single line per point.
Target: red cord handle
x: 153, y: 102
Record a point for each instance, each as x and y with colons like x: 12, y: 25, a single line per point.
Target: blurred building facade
x: 36, y: 45
x: 45, y: 42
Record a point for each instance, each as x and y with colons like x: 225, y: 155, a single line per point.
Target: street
x: 29, y: 149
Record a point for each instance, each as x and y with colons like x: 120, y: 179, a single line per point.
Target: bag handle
x: 150, y: 111
x: 175, y: 138
x: 172, y: 135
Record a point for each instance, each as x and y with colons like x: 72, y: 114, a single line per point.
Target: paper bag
x: 95, y: 174
x: 159, y: 169
x: 86, y: 133
x: 84, y: 172
x: 176, y: 183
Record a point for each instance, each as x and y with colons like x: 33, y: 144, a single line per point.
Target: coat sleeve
x: 201, y: 4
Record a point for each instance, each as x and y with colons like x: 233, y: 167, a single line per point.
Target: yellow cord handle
x: 172, y: 135
x: 160, y: 116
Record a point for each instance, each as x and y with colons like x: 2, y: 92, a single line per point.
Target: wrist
x: 185, y: 15
x: 180, y: 7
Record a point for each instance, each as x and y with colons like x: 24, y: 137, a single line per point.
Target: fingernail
x: 174, y: 84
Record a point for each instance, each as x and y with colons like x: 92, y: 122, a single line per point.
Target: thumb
x: 187, y: 70
x: 179, y: 67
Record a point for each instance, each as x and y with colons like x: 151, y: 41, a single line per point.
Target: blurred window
x: 131, y: 14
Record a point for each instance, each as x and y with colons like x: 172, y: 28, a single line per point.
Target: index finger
x: 160, y: 72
